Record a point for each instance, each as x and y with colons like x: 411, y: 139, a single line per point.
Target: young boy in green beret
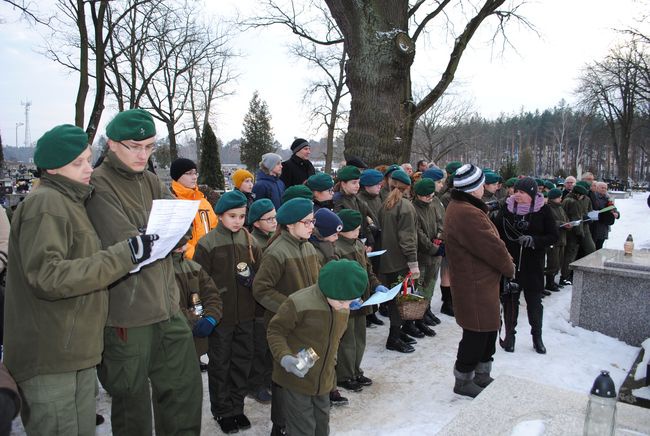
x: 349, y: 374
x: 229, y: 255
x: 262, y: 219
x: 314, y: 317
x: 321, y: 185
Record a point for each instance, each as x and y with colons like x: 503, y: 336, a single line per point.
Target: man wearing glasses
x: 146, y: 338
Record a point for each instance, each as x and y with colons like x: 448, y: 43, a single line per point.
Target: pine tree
x: 258, y: 137
x: 210, y: 170
x: 526, y: 162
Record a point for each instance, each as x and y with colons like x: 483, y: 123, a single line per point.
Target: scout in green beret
x: 297, y: 215
x: 230, y: 200
x: 132, y: 137
x: 451, y: 167
x: 60, y: 146
x: 348, y: 173
x: 425, y: 187
x: 321, y: 185
x: 351, y: 220
x: 297, y: 191
x: 401, y: 176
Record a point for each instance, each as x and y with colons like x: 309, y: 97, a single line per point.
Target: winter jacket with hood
x: 268, y: 186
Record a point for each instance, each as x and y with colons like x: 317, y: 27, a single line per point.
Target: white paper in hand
x: 170, y: 220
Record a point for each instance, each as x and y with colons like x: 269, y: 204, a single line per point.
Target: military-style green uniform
x: 353, y: 342
x: 305, y: 319
x: 345, y: 201
x: 427, y: 231
x: 220, y: 253
x: 587, y: 245
x: 191, y: 278
x: 555, y: 253
x: 578, y: 237
x: 147, y: 337
x: 56, y: 305
x: 325, y: 249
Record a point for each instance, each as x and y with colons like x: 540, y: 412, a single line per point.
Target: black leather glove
x: 526, y: 241
x: 141, y: 247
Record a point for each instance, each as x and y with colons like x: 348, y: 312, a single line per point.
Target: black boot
x: 508, y: 343
x: 394, y: 343
x: 420, y: 325
x: 430, y: 318
x: 550, y: 283
x: 447, y: 305
x: 407, y: 339
x: 538, y: 344
x: 410, y: 329
x: 372, y: 319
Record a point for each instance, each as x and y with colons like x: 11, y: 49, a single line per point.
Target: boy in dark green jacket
x: 314, y: 317
x: 228, y: 254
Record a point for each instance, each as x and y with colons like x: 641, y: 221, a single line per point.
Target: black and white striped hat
x: 468, y: 178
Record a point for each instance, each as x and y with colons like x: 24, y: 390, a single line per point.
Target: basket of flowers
x: 410, y: 304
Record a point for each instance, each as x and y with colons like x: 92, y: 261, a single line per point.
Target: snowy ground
x: 412, y: 394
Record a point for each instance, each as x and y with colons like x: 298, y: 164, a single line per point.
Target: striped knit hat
x: 468, y: 178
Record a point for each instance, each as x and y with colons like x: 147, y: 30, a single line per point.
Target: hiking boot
x: 465, y: 384
x: 350, y: 385
x: 482, y: 374
x: 336, y: 399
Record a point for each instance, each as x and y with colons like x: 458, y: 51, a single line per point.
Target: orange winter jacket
x: 205, y: 219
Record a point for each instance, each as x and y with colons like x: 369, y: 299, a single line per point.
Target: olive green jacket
x: 574, y: 212
x: 353, y: 249
x: 261, y: 238
x: 398, y: 237
x: 427, y: 228
x: 373, y: 201
x: 192, y: 279
x: 288, y: 264
x: 560, y: 217
x: 354, y: 202
x: 304, y: 320
x: 56, y: 300
x: 219, y: 252
x: 118, y: 208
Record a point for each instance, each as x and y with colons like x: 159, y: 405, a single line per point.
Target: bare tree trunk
x: 82, y: 90
x: 100, y: 61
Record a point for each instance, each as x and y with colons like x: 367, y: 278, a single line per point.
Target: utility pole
x: 28, y: 139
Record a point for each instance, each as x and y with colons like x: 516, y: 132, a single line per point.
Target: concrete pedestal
x: 611, y: 294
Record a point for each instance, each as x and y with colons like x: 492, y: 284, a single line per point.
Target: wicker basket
x: 411, y: 306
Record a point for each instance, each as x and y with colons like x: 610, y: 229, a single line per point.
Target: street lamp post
x: 18, y: 124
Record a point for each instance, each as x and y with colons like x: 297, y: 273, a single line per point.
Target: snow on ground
x: 412, y: 393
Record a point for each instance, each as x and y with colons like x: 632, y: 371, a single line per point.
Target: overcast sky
x: 536, y: 74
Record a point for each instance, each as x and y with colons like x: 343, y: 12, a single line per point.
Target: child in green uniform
x: 314, y: 317
x: 229, y: 256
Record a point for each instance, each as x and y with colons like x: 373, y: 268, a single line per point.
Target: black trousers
x: 533, y: 307
x: 393, y: 313
x: 475, y: 347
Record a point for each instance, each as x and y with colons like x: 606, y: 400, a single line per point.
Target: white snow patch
x: 535, y: 427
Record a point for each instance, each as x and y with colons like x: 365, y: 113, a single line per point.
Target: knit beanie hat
x: 298, y: 144
x: 491, y: 177
x: 269, y: 161
x: 425, y: 187
x: 297, y: 191
x: 327, y: 222
x: 554, y: 193
x: 351, y: 219
x: 240, y: 175
x: 511, y: 182
x: 343, y: 279
x: 434, y: 174
x: 257, y: 210
x: 391, y: 168
x: 580, y: 189
x: 356, y: 162
x: 401, y: 176
x: 320, y: 182
x: 371, y: 177
x: 180, y: 166
x: 348, y: 173
x: 294, y: 210
x: 468, y: 178
x: 452, y: 167
x: 230, y: 200
x: 527, y: 185
x: 133, y: 124
x: 60, y: 146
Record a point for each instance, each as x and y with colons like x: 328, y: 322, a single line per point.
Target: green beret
x: 539, y: 182
x: 297, y: 191
x: 320, y: 182
x: 343, y: 279
x: 258, y: 209
x: 347, y: 173
x: 554, y: 193
x: 132, y: 124
x: 230, y: 200
x: 491, y: 177
x: 401, y: 176
x: 580, y: 189
x: 511, y: 182
x: 584, y: 183
x: 391, y: 168
x: 351, y: 219
x: 425, y: 187
x: 548, y: 184
x: 60, y: 146
x: 294, y: 210
x: 452, y: 167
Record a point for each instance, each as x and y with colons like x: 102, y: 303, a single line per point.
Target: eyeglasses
x: 308, y: 223
x: 191, y: 173
x: 139, y: 148
x: 270, y: 219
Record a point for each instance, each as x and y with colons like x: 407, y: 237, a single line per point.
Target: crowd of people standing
x: 269, y: 280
